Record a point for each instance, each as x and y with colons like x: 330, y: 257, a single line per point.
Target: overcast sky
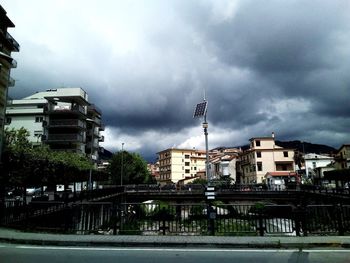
x: 281, y: 66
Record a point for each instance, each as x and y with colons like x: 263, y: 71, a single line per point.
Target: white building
x: 313, y: 161
x: 62, y: 118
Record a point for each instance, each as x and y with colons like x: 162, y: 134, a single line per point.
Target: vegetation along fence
x: 160, y: 218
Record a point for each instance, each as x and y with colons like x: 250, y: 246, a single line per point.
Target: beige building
x: 342, y: 157
x: 262, y: 157
x: 7, y: 45
x: 178, y: 164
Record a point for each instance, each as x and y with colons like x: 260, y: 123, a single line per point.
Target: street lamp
x: 121, y: 169
x: 201, y: 111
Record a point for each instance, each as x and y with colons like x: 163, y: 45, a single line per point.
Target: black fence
x: 160, y: 218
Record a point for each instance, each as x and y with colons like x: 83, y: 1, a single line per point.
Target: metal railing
x: 160, y: 218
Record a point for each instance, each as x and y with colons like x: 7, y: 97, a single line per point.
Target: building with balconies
x: 178, y: 164
x: 61, y: 118
x: 262, y: 157
x: 7, y: 45
x: 342, y: 157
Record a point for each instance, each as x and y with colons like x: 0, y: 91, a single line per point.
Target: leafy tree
x: 200, y: 181
x: 26, y: 165
x: 134, y: 169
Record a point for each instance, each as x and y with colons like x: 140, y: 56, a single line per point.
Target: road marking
x: 186, y: 250
x: 326, y: 250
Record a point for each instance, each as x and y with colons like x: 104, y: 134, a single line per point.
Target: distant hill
x: 305, y: 147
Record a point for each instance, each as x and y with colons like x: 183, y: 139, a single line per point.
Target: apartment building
x: 7, y: 45
x: 342, y: 157
x: 223, y: 163
x: 313, y: 161
x: 62, y: 118
x: 178, y: 164
x: 262, y: 157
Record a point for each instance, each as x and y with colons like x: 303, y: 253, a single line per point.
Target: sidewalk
x: 18, y: 237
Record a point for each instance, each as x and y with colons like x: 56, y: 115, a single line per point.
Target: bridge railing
x: 161, y: 218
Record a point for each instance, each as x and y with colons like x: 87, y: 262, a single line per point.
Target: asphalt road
x: 39, y: 254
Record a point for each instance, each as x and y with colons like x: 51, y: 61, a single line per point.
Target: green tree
x: 134, y: 169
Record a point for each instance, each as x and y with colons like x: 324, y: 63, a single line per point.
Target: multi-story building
x: 313, y: 161
x: 342, y: 157
x: 178, y: 164
x: 61, y: 118
x: 262, y: 157
x: 223, y: 163
x: 7, y: 45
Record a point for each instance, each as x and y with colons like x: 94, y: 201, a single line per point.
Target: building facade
x: 61, y: 118
x: 342, y: 158
x: 223, y: 163
x: 262, y: 157
x: 313, y: 161
x: 7, y: 45
x: 178, y: 164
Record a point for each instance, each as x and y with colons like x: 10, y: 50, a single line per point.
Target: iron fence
x: 162, y: 218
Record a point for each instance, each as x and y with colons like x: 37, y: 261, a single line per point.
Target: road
x: 36, y: 254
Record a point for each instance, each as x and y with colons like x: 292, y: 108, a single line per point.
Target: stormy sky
x: 281, y: 66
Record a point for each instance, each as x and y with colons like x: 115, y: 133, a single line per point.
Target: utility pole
x: 122, y: 164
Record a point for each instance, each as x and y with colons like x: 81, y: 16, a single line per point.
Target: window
x: 258, y: 154
x: 39, y: 119
x: 195, y: 168
x: 259, y: 164
x: 187, y: 163
x: 285, y: 154
x: 187, y: 171
x: 257, y: 143
x: 187, y: 156
x: 313, y: 165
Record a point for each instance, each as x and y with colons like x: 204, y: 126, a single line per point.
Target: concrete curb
x: 17, y: 237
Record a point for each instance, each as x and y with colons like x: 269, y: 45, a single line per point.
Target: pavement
x: 19, y: 237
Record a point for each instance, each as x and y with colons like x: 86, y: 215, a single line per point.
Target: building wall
x: 313, y: 161
x: 7, y: 45
x: 264, y: 158
x: 62, y: 121
x: 177, y: 164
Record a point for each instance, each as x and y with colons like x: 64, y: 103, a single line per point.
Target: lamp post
x: 121, y: 169
x: 201, y: 111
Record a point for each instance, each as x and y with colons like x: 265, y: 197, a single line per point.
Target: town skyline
x: 266, y: 67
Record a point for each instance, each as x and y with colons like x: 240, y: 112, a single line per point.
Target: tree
x: 134, y: 169
x: 27, y: 165
x: 299, y: 159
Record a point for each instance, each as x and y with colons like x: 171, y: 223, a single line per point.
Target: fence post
x: 340, y: 220
x: 211, y: 219
x: 297, y: 219
x: 261, y: 223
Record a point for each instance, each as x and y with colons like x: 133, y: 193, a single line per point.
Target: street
x: 34, y: 254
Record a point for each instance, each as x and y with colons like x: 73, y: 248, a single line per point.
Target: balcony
x: 64, y: 109
x: 67, y: 123
x: 101, y: 139
x: 12, y: 41
x: 63, y: 138
x: 102, y: 127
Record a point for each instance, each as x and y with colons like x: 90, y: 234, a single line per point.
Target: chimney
x: 273, y: 135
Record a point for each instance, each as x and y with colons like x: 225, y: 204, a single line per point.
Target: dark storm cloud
x: 265, y: 66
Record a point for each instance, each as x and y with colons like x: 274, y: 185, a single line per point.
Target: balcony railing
x: 64, y: 138
x: 14, y: 43
x: 67, y: 123
x: 68, y: 109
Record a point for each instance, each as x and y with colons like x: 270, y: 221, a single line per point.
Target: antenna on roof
x: 204, y: 98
